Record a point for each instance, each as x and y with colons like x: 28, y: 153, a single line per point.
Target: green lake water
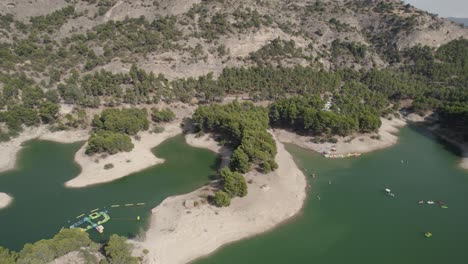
x: 42, y: 205
x: 353, y: 222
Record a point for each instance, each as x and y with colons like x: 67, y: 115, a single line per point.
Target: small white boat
x: 430, y: 202
x: 388, y: 190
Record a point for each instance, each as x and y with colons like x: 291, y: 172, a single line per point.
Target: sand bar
x: 185, y: 227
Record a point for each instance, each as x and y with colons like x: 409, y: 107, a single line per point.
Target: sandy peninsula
x: 186, y: 227
x: 5, y: 200
x: 361, y: 143
x: 10, y: 149
x: 126, y: 163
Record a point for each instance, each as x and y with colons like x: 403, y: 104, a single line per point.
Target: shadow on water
x: 424, y: 131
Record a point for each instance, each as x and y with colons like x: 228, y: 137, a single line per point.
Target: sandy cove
x: 207, y: 142
x: 362, y: 143
x: 5, y: 200
x: 10, y: 149
x: 186, y: 227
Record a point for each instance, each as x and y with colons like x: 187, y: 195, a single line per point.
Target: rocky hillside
x: 181, y: 38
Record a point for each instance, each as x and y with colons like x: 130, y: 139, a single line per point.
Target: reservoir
x: 356, y: 222
x: 347, y: 217
x: 42, y: 205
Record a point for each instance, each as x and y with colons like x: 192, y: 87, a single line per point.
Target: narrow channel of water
x: 42, y: 205
x: 356, y: 222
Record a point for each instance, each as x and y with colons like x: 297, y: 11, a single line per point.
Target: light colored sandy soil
x: 9, y: 150
x: 360, y: 143
x: 181, y: 231
x: 5, y: 200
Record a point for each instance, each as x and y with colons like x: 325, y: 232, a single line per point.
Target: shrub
x: 234, y: 183
x: 108, y: 166
x: 222, y: 199
x: 164, y: 115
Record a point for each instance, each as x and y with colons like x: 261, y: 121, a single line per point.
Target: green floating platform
x: 91, y: 221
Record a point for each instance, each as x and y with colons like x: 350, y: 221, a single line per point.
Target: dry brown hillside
x: 182, y: 38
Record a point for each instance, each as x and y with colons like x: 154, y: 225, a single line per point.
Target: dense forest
x: 434, y: 79
x: 116, y: 250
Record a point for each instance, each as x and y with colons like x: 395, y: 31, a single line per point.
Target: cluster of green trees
x: 275, y: 51
x: 445, y: 73
x: 138, y: 86
x: 243, y: 126
x: 212, y: 26
x: 246, y: 18
x: 113, y: 127
x: 53, y: 21
x: 116, y: 250
x: 307, y: 114
x: 357, y: 50
x: 46, y: 250
x: 25, y: 104
x: 234, y: 185
x: 108, y: 142
x: 125, y: 121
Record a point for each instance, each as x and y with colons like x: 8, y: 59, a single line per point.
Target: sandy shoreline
x: 361, y: 143
x: 181, y: 231
x: 207, y: 142
x: 5, y: 200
